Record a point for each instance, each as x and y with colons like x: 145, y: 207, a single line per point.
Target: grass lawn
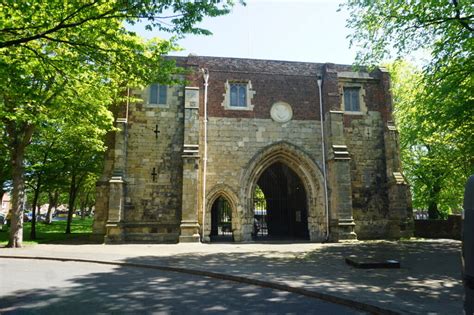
x: 54, y: 233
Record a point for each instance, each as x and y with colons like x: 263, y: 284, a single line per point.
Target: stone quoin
x: 264, y: 138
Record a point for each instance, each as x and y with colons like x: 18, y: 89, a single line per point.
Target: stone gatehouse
x: 243, y: 152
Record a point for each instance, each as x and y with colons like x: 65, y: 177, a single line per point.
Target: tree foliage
x: 443, y: 28
x: 72, y: 59
x: 434, y: 105
x: 436, y: 163
x: 26, y: 21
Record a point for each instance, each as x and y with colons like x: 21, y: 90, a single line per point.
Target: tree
x: 54, y: 53
x: 36, y: 169
x: 86, y: 194
x: 444, y: 28
x: 435, y: 106
x: 25, y: 22
x: 5, y: 169
x: 434, y: 162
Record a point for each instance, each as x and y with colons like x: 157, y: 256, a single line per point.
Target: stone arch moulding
x: 220, y: 190
x: 308, y: 171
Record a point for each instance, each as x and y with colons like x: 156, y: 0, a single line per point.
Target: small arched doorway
x: 221, y: 220
x: 280, y: 205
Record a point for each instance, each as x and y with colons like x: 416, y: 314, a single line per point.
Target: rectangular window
x: 351, y: 99
x: 238, y: 95
x: 158, y: 94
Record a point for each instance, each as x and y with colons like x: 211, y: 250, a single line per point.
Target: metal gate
x: 260, y: 227
x: 280, y: 205
x: 221, y: 220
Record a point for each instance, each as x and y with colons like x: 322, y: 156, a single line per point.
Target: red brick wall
x: 291, y: 82
x: 298, y: 91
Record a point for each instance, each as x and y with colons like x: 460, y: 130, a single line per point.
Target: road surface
x: 53, y: 287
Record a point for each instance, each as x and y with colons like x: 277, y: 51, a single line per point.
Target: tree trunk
x: 18, y: 197
x: 2, y: 192
x: 433, y: 211
x: 84, y: 206
x: 52, y: 203
x: 34, y: 206
x: 72, y: 199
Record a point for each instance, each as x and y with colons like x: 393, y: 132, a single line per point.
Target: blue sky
x: 296, y: 30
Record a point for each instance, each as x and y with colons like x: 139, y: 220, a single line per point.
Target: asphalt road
x: 52, y: 287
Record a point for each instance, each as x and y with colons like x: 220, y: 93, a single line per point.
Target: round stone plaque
x: 281, y: 112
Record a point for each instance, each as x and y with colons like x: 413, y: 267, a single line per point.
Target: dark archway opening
x: 280, y: 205
x: 221, y: 221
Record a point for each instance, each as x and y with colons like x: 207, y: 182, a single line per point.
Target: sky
x: 293, y: 30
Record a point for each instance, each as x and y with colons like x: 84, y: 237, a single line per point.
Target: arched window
x: 351, y: 99
x: 242, y: 96
x: 233, y: 95
x: 238, y: 95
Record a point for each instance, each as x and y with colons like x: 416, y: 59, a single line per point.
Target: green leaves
x: 434, y: 106
x: 29, y: 21
x: 435, y: 139
x: 64, y: 64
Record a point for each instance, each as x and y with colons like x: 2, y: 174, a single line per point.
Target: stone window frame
x: 248, y: 96
x: 146, y: 96
x: 362, y: 106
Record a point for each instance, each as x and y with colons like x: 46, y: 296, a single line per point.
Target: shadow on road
x: 429, y: 280
x: 130, y: 290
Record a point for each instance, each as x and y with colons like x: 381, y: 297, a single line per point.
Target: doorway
x: 280, y: 205
x: 221, y: 221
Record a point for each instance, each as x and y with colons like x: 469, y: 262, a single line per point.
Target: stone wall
x: 234, y: 142
x: 450, y: 228
x: 153, y: 203
x: 150, y: 142
x: 364, y: 139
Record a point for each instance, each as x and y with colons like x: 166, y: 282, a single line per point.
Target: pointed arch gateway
x: 296, y: 199
x: 222, y: 217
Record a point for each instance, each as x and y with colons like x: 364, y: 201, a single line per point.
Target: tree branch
x: 462, y: 20
x: 71, y: 43
x: 61, y: 25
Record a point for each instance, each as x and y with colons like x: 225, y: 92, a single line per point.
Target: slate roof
x: 279, y: 67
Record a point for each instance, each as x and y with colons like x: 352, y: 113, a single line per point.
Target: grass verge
x: 54, y: 233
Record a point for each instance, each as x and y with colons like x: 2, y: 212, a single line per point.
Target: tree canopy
x: 26, y: 21
x: 434, y: 105
x: 436, y: 163
x: 73, y: 59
